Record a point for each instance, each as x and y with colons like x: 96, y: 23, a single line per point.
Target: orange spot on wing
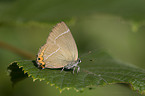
x: 42, y: 66
x: 41, y: 58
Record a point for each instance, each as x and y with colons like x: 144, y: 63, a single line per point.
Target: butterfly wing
x: 60, y: 48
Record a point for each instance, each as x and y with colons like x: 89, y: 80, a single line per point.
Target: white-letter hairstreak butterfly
x: 60, y: 50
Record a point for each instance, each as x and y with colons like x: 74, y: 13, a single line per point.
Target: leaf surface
x: 97, y: 68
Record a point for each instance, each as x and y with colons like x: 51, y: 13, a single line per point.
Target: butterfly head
x: 79, y: 60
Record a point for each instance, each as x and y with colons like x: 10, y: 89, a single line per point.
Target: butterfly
x: 60, y: 50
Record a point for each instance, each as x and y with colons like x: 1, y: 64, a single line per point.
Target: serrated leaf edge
x: 68, y: 88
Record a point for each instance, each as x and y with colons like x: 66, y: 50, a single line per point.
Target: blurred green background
x: 116, y: 26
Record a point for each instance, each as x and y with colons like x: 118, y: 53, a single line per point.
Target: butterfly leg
x: 78, y: 70
x: 74, y: 69
x: 62, y: 69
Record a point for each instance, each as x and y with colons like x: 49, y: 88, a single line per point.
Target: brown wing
x: 60, y: 48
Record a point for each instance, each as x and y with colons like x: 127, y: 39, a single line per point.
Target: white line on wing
x: 61, y: 35
x: 53, y: 53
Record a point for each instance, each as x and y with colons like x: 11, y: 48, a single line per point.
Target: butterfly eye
x: 39, y: 59
x: 79, y: 60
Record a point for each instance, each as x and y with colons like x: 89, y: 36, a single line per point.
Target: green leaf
x: 97, y: 68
